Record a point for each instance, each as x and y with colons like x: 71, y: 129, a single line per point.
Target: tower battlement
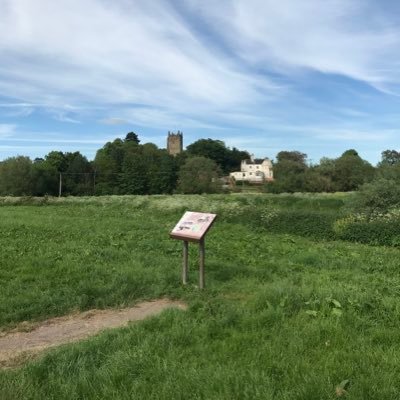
x: 175, y: 143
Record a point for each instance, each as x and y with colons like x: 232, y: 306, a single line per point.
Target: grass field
x: 283, y: 316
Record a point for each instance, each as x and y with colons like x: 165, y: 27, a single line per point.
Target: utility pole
x: 60, y: 186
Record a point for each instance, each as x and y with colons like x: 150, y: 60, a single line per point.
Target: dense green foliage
x: 199, y: 175
x: 373, y: 214
x: 120, y: 167
x: 282, y: 317
x: 126, y: 167
x: 377, y: 231
x: 390, y: 158
x: 312, y: 216
x: 227, y: 159
x: 346, y: 173
x: 19, y: 176
x: 379, y: 196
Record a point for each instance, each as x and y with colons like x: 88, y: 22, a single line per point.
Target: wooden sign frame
x: 193, y: 227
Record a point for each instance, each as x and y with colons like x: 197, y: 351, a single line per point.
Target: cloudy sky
x: 318, y: 76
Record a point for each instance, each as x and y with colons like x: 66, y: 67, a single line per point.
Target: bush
x: 375, y: 215
x: 199, y: 175
x: 376, y: 232
x: 376, y: 197
x: 315, y: 224
x: 302, y: 222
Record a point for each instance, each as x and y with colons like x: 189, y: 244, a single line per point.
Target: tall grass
x: 282, y: 316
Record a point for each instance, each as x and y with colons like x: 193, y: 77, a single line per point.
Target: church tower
x: 175, y: 143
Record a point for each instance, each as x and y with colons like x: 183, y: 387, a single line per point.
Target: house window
x: 244, y: 174
x: 251, y: 173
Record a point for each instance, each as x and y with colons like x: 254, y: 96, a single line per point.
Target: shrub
x: 316, y: 224
x: 376, y: 232
x: 308, y: 223
x: 376, y: 197
x: 199, y: 175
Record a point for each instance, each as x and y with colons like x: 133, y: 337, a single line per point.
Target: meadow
x: 289, y: 311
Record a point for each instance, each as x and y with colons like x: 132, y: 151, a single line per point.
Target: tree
x: 108, y: 166
x: 289, y: 172
x: 44, y: 178
x: 319, y: 177
x: 199, y: 175
x: 389, y: 167
x: 351, y: 171
x: 16, y: 176
x: 350, y: 152
x: 127, y: 167
x: 316, y: 182
x: 228, y: 160
x: 78, y: 175
x: 132, y: 137
x: 379, y: 195
x: 234, y: 158
x: 390, y: 157
x: 294, y: 156
x: 57, y: 160
x: 134, y: 177
x: 161, y: 169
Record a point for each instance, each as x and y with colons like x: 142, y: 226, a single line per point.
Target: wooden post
x: 202, y: 257
x: 60, y: 186
x: 185, y: 268
x: 94, y: 183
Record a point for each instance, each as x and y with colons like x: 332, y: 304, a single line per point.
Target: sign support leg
x: 185, y: 267
x: 202, y: 258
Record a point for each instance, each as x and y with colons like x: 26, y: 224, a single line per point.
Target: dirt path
x: 18, y: 346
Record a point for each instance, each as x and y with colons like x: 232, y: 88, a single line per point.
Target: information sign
x: 193, y: 226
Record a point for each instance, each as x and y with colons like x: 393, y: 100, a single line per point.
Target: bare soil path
x: 15, y: 347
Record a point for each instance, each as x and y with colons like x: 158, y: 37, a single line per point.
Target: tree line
x: 124, y: 166
x: 346, y: 173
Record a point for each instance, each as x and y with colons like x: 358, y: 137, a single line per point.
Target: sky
x: 316, y: 76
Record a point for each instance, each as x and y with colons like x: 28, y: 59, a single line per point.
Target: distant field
x: 288, y: 312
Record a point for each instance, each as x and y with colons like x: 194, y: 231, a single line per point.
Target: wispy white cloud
x: 17, y: 105
x: 352, y: 113
x: 53, y: 140
x: 16, y: 109
x: 7, y: 130
x: 113, y: 121
x: 354, y: 135
x: 144, y: 52
x: 63, y: 116
x: 163, y: 118
x: 127, y: 52
x: 353, y: 38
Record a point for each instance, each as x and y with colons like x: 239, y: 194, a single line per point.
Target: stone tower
x: 175, y: 143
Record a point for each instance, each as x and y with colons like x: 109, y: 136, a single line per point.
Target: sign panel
x: 193, y: 226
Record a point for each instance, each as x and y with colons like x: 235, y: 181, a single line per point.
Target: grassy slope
x: 283, y: 317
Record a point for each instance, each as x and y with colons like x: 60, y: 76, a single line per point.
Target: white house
x: 254, y: 171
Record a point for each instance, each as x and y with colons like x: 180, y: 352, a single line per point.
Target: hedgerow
x: 378, y: 229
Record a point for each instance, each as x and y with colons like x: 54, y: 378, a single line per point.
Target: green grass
x: 282, y: 317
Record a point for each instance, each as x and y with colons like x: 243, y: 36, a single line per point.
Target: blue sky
x: 318, y: 76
